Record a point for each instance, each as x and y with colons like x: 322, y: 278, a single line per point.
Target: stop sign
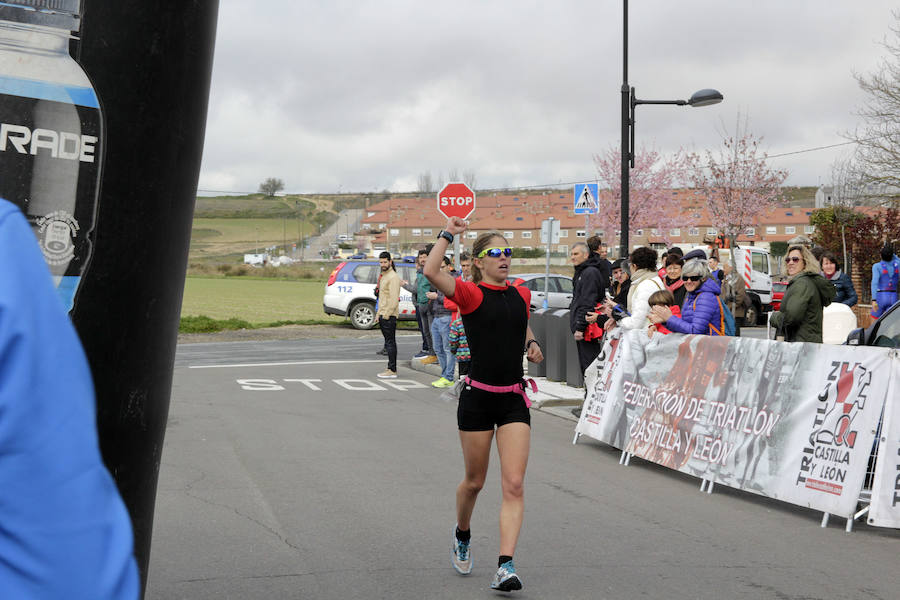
x: 456, y: 200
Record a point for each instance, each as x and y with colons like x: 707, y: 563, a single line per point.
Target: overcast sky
x: 363, y: 96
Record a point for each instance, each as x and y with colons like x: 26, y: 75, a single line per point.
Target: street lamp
x: 705, y: 97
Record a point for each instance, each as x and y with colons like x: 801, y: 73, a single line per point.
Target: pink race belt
x: 517, y: 388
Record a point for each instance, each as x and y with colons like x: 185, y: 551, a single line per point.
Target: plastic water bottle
x: 50, y: 134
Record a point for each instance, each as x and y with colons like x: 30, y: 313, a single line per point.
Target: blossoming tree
x: 650, y: 199
x: 736, y: 181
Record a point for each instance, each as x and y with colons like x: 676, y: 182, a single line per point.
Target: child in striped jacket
x: 459, y: 346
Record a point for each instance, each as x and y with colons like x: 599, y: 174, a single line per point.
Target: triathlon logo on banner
x: 826, y: 457
x: 794, y: 422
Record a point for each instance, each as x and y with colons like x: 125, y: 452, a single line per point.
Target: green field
x: 220, y: 237
x: 255, y: 300
x: 268, y: 231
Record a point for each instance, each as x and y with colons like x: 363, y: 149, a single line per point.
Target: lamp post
x: 703, y: 97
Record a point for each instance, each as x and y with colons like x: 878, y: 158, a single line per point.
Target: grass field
x: 255, y: 300
x: 216, y: 237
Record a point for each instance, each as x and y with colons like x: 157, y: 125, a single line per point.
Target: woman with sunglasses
x: 493, y: 399
x: 700, y: 313
x: 800, y: 317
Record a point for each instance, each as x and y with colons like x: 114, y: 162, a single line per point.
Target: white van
x: 754, y: 264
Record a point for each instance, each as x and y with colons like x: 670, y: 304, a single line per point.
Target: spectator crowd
x: 691, y: 293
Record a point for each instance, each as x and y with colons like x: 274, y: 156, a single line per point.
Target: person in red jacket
x: 662, y: 298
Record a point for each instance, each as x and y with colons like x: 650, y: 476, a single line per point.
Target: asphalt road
x: 290, y: 471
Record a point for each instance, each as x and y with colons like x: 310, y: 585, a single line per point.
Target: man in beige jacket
x: 388, y: 310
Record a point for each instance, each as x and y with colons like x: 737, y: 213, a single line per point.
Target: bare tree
x: 847, y: 191
x: 271, y: 186
x: 453, y: 175
x: 425, y: 183
x: 469, y: 178
x: 878, y: 138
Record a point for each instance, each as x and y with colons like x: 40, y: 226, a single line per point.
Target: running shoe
x: 421, y: 354
x: 460, y: 556
x: 506, y: 579
x: 387, y: 374
x: 430, y: 359
x: 442, y: 383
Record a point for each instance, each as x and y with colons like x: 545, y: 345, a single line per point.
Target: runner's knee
x: 473, y: 484
x: 513, y: 486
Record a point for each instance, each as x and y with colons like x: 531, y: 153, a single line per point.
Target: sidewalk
x: 553, y: 397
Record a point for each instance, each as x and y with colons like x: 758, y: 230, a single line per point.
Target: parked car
x: 778, y: 289
x: 358, y: 256
x: 560, y: 289
x: 884, y: 332
x: 350, y: 292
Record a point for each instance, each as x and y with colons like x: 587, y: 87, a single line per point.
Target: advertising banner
x: 791, y: 421
x: 884, y: 511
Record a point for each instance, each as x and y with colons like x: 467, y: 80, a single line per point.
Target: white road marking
x: 285, y: 364
x: 308, y: 383
x: 353, y: 385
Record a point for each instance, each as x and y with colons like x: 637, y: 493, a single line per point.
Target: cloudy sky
x: 363, y: 96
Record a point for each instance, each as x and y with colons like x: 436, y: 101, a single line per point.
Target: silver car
x: 559, y: 287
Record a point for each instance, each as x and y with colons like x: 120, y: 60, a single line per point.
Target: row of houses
x: 405, y: 224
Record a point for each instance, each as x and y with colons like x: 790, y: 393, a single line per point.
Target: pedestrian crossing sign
x: 586, y: 199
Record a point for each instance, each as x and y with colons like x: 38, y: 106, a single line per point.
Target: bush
x: 533, y: 253
x: 778, y: 248
x: 204, y: 324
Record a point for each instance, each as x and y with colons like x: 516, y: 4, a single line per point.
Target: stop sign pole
x: 456, y: 199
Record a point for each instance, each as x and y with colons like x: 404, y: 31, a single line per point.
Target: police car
x: 350, y: 292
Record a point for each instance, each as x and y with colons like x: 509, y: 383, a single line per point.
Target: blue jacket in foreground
x: 696, y: 317
x: 64, y: 531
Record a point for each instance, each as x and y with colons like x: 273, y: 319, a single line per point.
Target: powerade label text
x: 49, y: 168
x: 60, y: 144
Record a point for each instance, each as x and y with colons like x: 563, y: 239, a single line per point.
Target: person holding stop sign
x: 493, y: 399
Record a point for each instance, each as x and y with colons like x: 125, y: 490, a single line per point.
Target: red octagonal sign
x: 456, y: 200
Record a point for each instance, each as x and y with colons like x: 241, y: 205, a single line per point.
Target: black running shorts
x: 479, y: 410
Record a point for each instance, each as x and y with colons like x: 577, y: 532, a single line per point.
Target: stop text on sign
x: 456, y: 200
x: 460, y: 201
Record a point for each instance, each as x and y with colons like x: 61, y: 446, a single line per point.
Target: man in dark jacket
x: 595, y: 245
x: 419, y: 290
x: 590, y: 285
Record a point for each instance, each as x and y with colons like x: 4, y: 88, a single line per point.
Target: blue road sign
x: 586, y: 199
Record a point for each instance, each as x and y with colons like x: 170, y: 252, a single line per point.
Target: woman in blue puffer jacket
x: 701, y: 312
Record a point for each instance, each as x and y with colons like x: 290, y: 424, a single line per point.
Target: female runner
x: 495, y: 317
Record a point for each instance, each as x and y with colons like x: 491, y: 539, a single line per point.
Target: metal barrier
x: 538, y: 322
x: 558, y: 334
x: 574, y: 376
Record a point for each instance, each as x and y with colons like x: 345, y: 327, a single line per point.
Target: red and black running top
x: 495, y: 319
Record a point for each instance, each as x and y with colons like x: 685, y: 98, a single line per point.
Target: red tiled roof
x: 526, y: 211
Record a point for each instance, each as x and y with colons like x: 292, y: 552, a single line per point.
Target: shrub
x: 204, y: 324
x: 533, y: 253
